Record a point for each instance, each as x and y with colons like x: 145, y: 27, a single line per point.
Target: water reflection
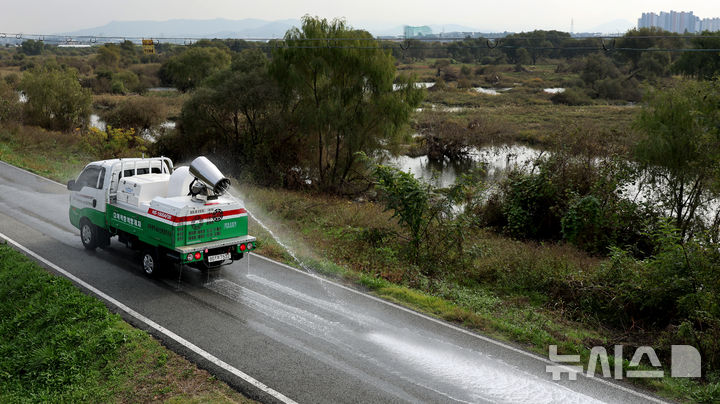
x: 495, y: 160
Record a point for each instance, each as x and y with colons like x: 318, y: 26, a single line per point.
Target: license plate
x: 219, y: 257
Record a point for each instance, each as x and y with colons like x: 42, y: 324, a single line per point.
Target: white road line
x: 157, y: 327
x: 462, y: 330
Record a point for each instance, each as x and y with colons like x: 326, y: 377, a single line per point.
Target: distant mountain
x: 614, y: 27
x: 217, y: 28
x: 439, y: 29
x: 223, y: 28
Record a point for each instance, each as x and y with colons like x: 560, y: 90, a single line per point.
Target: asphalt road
x: 312, y: 340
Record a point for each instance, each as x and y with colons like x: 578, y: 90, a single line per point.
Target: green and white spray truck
x: 178, y: 215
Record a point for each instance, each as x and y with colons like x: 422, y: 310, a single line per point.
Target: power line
x: 402, y: 44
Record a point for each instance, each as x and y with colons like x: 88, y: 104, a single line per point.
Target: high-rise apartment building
x: 679, y: 22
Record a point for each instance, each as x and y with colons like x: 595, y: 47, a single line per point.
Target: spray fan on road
x: 181, y: 215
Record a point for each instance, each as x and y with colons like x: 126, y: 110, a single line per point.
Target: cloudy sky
x: 51, y: 16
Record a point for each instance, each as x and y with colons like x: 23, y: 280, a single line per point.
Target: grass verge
x: 55, y: 155
x: 60, y: 345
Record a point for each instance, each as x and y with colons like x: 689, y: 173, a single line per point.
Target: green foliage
x: 571, y: 96
x: 188, y: 69
x: 604, y: 80
x: 55, y: 98
x: 10, y: 107
x: 409, y: 200
x: 113, y: 56
x: 581, y: 220
x: 113, y: 143
x: 647, y: 64
x: 338, y: 96
x: 573, y: 196
x: 136, y: 112
x: 701, y: 65
x: 108, y: 56
x: 235, y: 108
x: 529, y: 47
x: 680, y: 149
x: 32, y: 47
x: 124, y: 82
x: 530, y: 207
x: 678, y: 287
x: 430, y: 216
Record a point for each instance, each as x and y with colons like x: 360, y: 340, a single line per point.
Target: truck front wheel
x: 88, y: 234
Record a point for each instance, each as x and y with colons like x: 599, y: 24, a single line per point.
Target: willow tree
x: 336, y: 85
x: 681, y: 150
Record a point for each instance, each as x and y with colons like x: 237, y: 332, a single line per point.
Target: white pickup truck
x: 182, y: 215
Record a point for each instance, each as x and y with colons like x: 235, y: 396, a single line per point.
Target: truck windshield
x: 90, y: 177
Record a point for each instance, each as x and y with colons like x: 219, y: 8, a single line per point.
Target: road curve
x: 296, y: 334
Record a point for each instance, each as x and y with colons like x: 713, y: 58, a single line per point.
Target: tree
x: 337, y: 86
x: 188, y: 69
x: 535, y: 45
x: 630, y: 46
x: 32, y: 47
x: 108, y: 56
x: 680, y: 152
x: 236, y: 109
x: 701, y: 65
x: 55, y: 98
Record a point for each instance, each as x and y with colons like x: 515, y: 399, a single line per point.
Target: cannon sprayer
x: 209, y: 182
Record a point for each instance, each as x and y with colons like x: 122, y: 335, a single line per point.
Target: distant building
x: 709, y: 24
x: 417, y: 32
x: 679, y: 22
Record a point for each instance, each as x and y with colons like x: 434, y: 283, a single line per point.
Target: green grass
x: 60, y: 345
x: 55, y: 155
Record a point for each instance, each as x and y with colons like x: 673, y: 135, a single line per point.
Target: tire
x: 88, y: 234
x: 150, y: 263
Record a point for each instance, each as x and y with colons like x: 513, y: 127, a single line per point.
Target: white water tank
x: 180, y: 182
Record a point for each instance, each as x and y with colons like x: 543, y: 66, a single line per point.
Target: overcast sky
x: 50, y: 16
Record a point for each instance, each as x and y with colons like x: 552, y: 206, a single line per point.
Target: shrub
x: 10, y: 107
x: 56, y: 100
x: 113, y: 143
x: 571, y: 96
x: 575, y: 198
x: 136, y: 112
x: 12, y: 79
x: 129, y: 80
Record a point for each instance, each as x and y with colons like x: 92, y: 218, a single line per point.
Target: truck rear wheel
x: 88, y: 234
x: 150, y: 263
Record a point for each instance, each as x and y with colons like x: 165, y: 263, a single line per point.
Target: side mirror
x: 71, y: 185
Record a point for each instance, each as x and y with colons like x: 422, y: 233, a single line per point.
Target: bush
x: 56, y: 101
x: 12, y: 79
x: 10, y: 107
x: 571, y: 96
x: 136, y: 112
x: 574, y: 198
x: 113, y: 143
x: 188, y: 69
x: 129, y: 81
